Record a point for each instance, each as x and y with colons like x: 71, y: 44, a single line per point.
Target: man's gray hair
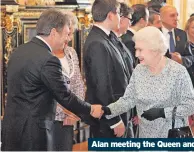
x: 151, y: 16
x: 50, y: 19
x: 153, y: 38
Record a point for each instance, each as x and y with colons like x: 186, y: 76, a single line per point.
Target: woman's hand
x: 70, y: 120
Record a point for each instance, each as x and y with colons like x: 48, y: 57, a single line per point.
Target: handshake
x: 96, y: 111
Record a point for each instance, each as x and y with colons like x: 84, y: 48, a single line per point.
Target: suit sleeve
x: 51, y: 75
x: 187, y: 57
x: 126, y: 102
x: 97, y: 69
x: 184, y: 51
x: 130, y: 44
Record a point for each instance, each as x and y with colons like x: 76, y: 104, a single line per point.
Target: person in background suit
x: 176, y: 38
x: 125, y: 22
x: 139, y: 21
x: 105, y: 71
x: 155, y: 5
x: 34, y: 80
x: 192, y: 15
x: 154, y: 19
x: 189, y: 29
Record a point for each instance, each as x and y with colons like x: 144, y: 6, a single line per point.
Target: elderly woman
x: 157, y: 85
x: 64, y: 120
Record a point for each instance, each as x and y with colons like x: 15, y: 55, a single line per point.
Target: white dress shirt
x: 39, y: 37
x: 167, y: 36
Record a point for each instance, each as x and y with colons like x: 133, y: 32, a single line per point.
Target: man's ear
x: 142, y: 22
x: 110, y: 16
x: 53, y: 32
x: 121, y: 20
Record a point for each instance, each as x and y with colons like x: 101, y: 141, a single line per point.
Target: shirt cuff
x: 115, y: 125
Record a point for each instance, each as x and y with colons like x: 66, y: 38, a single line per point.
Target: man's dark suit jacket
x: 125, y: 53
x: 190, y: 48
x: 106, y: 77
x: 34, y: 80
x: 181, y: 43
x: 127, y: 39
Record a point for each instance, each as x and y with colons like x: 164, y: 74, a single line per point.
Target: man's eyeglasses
x: 130, y: 19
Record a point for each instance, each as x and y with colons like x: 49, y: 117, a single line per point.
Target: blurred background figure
x: 155, y: 5
x: 126, y: 13
x: 154, y: 19
x: 71, y: 71
x: 192, y: 15
x: 139, y: 20
x: 176, y: 38
x: 125, y: 22
x: 189, y: 29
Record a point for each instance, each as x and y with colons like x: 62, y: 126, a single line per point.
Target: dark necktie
x: 113, y: 38
x: 172, y: 45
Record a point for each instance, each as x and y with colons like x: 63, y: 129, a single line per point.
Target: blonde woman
x: 189, y: 29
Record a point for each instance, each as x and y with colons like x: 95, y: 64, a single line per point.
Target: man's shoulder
x: 178, y: 30
x: 127, y: 36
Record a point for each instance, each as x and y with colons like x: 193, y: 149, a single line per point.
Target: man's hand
x: 119, y: 130
x: 96, y: 111
x: 176, y: 57
x: 70, y: 120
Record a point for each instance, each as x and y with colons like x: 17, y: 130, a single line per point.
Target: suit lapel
x: 105, y: 36
x: 177, y: 39
x: 121, y: 60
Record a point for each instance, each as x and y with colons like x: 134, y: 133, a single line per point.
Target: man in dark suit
x: 34, y: 80
x: 154, y: 19
x: 105, y: 71
x: 139, y: 21
x: 125, y: 22
x: 176, y: 38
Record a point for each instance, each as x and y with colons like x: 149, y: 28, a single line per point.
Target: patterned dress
x: 73, y: 78
x: 172, y: 87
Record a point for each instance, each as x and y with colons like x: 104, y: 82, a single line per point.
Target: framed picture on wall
x: 28, y: 29
x: 29, y: 32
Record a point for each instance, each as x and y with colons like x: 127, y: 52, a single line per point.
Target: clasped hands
x: 96, y: 111
x: 176, y: 57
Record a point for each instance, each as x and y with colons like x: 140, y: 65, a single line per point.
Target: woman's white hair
x: 153, y: 38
